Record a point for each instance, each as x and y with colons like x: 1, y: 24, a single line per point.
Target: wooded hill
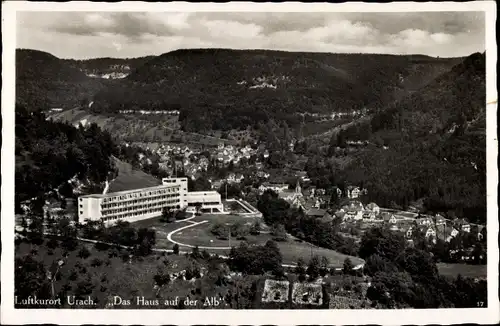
x: 101, y: 66
x: 44, y: 81
x: 436, y: 141
x: 49, y: 153
x: 231, y: 89
x: 225, y: 89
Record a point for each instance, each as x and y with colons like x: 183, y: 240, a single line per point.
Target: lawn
x: 463, y: 269
x: 129, y: 178
x: 291, y: 250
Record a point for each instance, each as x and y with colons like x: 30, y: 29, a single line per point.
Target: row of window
x: 205, y: 203
x: 136, y: 201
x: 141, y: 194
x: 127, y: 215
x: 140, y: 207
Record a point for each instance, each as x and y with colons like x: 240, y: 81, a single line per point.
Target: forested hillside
x: 231, y: 89
x: 50, y: 153
x: 435, y: 145
x: 44, y: 81
x: 99, y: 67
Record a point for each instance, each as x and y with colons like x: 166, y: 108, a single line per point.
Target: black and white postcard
x: 276, y: 163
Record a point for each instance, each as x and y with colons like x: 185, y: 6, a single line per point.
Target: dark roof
x: 316, y: 212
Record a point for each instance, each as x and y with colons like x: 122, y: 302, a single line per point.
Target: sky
x: 82, y: 35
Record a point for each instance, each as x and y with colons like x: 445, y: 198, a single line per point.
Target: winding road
x: 190, y: 225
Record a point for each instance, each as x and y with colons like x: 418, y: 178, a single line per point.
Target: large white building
x: 139, y: 204
x: 207, y: 201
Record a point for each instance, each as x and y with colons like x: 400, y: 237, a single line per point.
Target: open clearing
x: 465, y: 270
x: 200, y: 235
x: 129, y: 178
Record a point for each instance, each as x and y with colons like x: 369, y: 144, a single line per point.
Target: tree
x: 313, y: 267
x: 334, y: 198
x: 31, y: 278
x: 419, y: 264
x: 382, y: 242
x: 279, y: 233
x: 324, y: 266
x: 167, y: 215
x: 273, y: 208
x: 66, y: 190
x: 195, y: 253
x: 300, y: 269
x: 84, y: 288
x: 479, y: 254
x: 347, y: 268
x: 375, y: 264
x: 256, y: 259
x: 36, y: 229
x: 161, y: 278
x: 198, y: 208
x: 176, y: 249
x: 83, y: 253
x: 146, y: 239
x: 256, y: 228
x: 392, y: 290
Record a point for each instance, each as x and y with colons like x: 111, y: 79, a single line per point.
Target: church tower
x: 298, y: 189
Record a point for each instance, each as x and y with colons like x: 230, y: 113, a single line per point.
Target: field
x: 200, y: 235
x: 140, y: 128
x: 129, y: 178
x: 112, y: 276
x: 465, y: 270
x: 124, y: 127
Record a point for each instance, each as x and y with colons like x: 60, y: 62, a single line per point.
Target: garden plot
x: 307, y: 293
x: 275, y: 291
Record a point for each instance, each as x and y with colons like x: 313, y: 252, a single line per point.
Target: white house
x: 353, y: 192
x: 454, y: 232
x: 430, y: 232
x: 374, y: 208
x: 368, y: 215
x: 353, y: 215
x: 424, y: 221
x: 277, y: 187
x: 440, y: 220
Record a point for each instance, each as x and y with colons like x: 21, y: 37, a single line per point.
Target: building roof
x: 285, y: 193
x: 206, y: 192
x: 353, y: 205
x: 316, y: 212
x: 371, y: 206
x: 119, y: 193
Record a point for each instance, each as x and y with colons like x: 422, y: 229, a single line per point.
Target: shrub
x: 115, y: 252
x: 279, y: 233
x: 176, y: 249
x: 73, y: 275
x: 205, y: 254
x: 125, y: 257
x: 96, y: 262
x: 84, y: 253
x: 52, y: 243
x: 256, y: 228
x: 101, y: 246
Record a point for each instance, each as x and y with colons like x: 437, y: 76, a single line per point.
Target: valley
x: 355, y: 168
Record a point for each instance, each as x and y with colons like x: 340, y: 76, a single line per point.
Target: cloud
x: 126, y: 34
